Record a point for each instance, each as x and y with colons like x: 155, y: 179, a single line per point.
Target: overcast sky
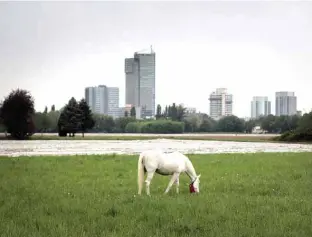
x: 56, y: 49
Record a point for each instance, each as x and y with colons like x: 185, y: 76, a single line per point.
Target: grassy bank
x: 241, y: 195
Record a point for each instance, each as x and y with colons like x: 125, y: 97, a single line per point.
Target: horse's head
x: 194, y: 186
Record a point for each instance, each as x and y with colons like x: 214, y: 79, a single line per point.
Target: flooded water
x: 62, y: 147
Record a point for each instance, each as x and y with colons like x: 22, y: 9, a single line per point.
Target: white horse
x: 166, y: 164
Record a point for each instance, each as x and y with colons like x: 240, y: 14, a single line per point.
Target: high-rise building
x: 96, y: 98
x: 221, y: 103
x: 285, y: 103
x: 260, y: 106
x: 140, y: 82
x: 113, y: 102
x: 103, y: 100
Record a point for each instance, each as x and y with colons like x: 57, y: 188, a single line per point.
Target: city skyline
x: 247, y: 47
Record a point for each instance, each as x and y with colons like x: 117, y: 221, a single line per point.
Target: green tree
x: 205, y: 126
x: 230, y: 124
x: 70, y: 119
x: 249, y: 125
x: 54, y: 117
x: 2, y: 127
x: 87, y: 121
x: 174, y: 112
x: 303, y: 132
x: 192, y: 123
x: 16, y: 112
x: 45, y: 121
x: 166, y: 113
x: 122, y: 122
x: 180, y: 113
x: 132, y: 112
x: 158, y: 112
x: 268, y: 123
x: 104, y: 123
x: 304, y: 128
x: 286, y: 123
x: 169, y: 112
x: 126, y: 113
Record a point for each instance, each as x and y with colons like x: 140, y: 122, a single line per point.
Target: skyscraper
x: 103, y: 100
x: 113, y: 102
x: 221, y: 103
x: 140, y: 82
x: 285, y: 103
x: 260, y: 106
x: 96, y: 98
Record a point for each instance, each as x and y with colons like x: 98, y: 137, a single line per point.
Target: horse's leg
x: 177, y: 184
x: 174, y: 177
x: 148, y: 181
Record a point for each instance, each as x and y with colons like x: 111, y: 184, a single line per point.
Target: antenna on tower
x: 152, y: 49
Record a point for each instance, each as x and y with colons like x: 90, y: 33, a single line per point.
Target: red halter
x: 192, y: 189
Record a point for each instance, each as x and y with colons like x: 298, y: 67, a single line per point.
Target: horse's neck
x: 190, y: 171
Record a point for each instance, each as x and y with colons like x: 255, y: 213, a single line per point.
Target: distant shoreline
x: 145, y: 136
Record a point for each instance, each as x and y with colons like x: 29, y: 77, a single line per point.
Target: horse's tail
x: 140, y: 173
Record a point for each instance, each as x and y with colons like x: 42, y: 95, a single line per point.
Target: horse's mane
x: 191, y: 167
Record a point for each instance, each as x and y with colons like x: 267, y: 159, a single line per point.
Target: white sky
x: 56, y: 49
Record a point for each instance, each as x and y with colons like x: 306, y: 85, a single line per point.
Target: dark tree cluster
x: 274, y: 124
x: 16, y: 114
x: 173, y: 112
x: 75, y: 117
x: 19, y: 119
x: 302, y: 132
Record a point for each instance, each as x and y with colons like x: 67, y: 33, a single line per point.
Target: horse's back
x: 151, y: 158
x: 178, y: 156
x: 174, y: 161
x: 164, y: 163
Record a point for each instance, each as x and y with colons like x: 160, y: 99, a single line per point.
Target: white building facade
x: 221, y: 103
x: 285, y: 103
x: 113, y: 102
x: 260, y: 106
x: 103, y: 100
x: 96, y: 98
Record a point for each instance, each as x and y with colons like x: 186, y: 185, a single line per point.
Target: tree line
x: 19, y: 118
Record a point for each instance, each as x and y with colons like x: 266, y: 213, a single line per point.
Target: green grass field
x: 263, y: 194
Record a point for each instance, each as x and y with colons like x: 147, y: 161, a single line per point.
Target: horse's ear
x: 198, y: 176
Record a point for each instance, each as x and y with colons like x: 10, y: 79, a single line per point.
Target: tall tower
x: 140, y: 82
x: 285, y: 103
x: 96, y: 98
x: 103, y: 100
x: 221, y: 103
x: 113, y: 101
x: 260, y: 106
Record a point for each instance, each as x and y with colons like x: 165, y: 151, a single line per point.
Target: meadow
x: 260, y: 194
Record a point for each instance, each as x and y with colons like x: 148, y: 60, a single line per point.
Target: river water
x: 63, y: 147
